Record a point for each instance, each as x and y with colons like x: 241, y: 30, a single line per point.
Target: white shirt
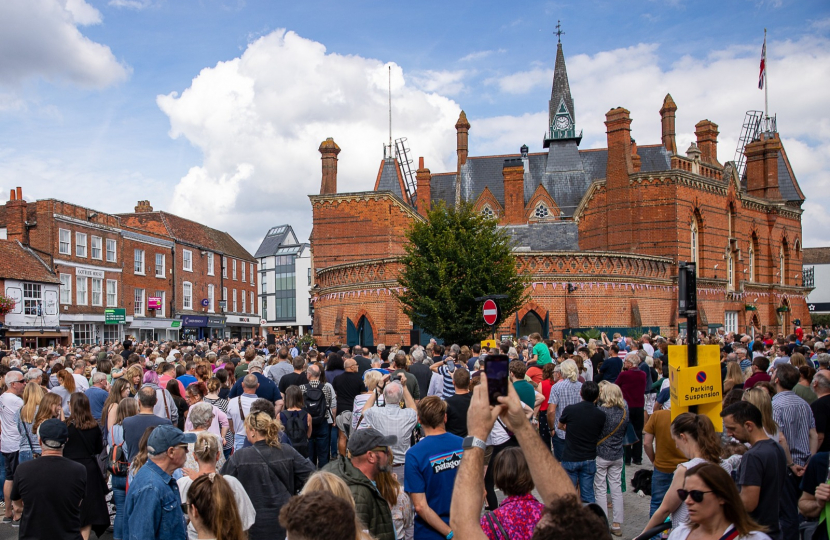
x: 81, y: 382
x: 233, y: 411
x: 247, y: 513
x: 682, y: 532
x: 10, y: 437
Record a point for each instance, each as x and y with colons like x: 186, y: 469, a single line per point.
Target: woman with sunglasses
x: 715, y: 508
x: 694, y: 435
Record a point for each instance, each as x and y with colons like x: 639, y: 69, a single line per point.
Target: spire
x: 561, y: 114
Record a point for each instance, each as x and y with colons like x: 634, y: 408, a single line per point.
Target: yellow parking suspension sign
x: 698, y: 385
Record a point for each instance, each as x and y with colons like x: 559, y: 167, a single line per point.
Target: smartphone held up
x: 496, y: 367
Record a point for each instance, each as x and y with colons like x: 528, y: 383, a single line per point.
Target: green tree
x: 452, y: 258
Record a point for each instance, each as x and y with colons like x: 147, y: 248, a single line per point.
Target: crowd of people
x: 240, y: 439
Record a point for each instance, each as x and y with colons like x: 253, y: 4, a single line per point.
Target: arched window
x: 752, y: 259
x: 782, y: 266
x: 695, y: 244
x: 488, y: 212
x: 731, y: 212
x: 730, y: 272
x: 541, y: 211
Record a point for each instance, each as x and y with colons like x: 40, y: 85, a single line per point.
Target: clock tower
x: 561, y: 115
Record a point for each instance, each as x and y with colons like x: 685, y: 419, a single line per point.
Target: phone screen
x: 496, y: 368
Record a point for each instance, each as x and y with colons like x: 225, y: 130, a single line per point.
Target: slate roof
x: 787, y: 184
x: 274, y: 239
x: 545, y: 236
x: 390, y: 178
x: 18, y: 262
x: 819, y: 255
x: 560, y: 89
x: 187, y: 232
x: 564, y: 170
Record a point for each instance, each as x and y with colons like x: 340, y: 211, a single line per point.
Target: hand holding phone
x: 496, y: 367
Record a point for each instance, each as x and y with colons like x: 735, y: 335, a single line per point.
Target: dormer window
x: 488, y: 212
x: 541, y: 211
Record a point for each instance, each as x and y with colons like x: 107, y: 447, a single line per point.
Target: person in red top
x: 549, y: 378
x: 759, y: 372
x: 632, y: 382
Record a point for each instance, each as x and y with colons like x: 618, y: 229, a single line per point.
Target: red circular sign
x: 491, y: 312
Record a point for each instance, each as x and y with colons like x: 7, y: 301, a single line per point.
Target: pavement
x: 636, y: 510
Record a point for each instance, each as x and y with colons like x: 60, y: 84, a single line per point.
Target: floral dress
x: 518, y: 515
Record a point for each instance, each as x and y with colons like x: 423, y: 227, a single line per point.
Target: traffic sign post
x: 696, y: 388
x: 491, y: 312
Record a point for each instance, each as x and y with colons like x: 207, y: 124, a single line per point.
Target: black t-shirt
x: 134, y: 427
x: 821, y: 413
x: 584, y: 423
x: 292, y: 379
x: 50, y: 509
x: 457, y: 407
x: 363, y: 364
x: 347, y: 386
x: 815, y: 474
x: 765, y: 465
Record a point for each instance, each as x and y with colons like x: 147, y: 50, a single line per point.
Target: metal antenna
x: 559, y: 31
x: 390, y: 111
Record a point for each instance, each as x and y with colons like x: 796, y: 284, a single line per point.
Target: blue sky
x: 213, y: 109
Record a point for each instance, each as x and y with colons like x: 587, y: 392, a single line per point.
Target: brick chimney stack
x: 329, y: 150
x: 462, y: 128
x: 667, y: 122
x: 143, y: 207
x: 16, y: 217
x: 636, y: 162
x: 762, y: 166
x: 617, y: 171
x: 707, y: 140
x: 422, y: 179
x: 513, y: 171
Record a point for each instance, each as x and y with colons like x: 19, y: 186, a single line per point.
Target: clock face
x: 562, y: 122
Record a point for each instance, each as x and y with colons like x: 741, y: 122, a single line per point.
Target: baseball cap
x: 363, y: 440
x: 53, y: 433
x: 167, y: 436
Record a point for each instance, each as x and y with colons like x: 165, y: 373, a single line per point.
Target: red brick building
x: 599, y: 233
x: 166, y: 272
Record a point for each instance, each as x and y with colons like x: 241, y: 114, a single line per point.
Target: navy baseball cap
x: 53, y: 433
x: 166, y: 436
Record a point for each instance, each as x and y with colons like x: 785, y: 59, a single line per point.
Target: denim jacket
x: 153, y: 508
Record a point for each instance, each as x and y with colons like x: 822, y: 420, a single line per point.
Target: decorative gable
x: 488, y: 204
x: 541, y: 206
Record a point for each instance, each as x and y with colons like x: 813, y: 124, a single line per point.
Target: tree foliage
x: 452, y: 258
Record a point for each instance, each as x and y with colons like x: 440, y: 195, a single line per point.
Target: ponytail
x: 700, y: 428
x: 265, y: 426
x: 212, y: 497
x: 206, y: 447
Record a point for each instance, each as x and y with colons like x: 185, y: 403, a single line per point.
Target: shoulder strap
x: 731, y: 533
x: 615, y: 429
x: 495, y: 524
x: 242, y: 414
x: 166, y: 408
x: 28, y: 439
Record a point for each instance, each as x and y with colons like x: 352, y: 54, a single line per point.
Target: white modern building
x: 284, y: 282
x: 816, y: 273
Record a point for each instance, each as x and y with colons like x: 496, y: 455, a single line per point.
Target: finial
x: 559, y: 31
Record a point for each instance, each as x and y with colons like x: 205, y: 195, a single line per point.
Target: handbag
x: 29, y: 440
x: 615, y: 429
x: 630, y: 436
x: 117, y: 463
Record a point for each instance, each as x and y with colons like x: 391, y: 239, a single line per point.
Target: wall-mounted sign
x: 89, y: 272
x: 205, y: 302
x: 154, y: 302
x: 115, y: 316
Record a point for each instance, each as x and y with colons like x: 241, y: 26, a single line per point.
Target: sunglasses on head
x: 695, y: 494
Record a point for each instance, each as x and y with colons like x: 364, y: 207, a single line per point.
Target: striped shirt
x: 448, y: 389
x: 562, y: 394
x: 795, y: 419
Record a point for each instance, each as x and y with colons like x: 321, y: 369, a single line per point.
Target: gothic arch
x: 364, y: 313
x: 541, y: 196
x: 532, y: 306
x: 488, y: 199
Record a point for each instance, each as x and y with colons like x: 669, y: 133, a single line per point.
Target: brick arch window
x: 730, y: 271
x: 488, y: 212
x: 782, y: 264
x: 753, y: 249
x: 542, y: 211
x: 694, y: 240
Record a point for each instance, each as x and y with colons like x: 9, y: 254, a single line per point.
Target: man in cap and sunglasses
x: 153, y: 506
x: 51, y: 509
x: 369, y: 455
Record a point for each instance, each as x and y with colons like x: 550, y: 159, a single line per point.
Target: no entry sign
x: 491, y: 312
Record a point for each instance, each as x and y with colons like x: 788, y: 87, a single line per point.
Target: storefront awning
x: 151, y: 323
x: 37, y: 333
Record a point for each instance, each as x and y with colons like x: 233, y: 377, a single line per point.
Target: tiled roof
x: 18, y: 262
x: 390, y: 178
x: 188, y: 232
x: 819, y: 255
x: 545, y: 236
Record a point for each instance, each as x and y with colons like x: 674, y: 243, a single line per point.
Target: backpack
x: 315, y: 404
x: 296, y: 429
x: 642, y: 481
x: 117, y: 463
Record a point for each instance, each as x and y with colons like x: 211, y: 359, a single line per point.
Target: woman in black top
x: 178, y: 399
x: 84, y: 446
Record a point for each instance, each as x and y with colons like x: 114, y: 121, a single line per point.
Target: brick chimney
x: 617, y: 170
x: 513, y: 171
x: 762, y: 166
x: 143, y: 207
x: 636, y: 162
x: 422, y: 180
x: 329, y: 150
x: 462, y: 128
x: 667, y: 122
x: 16, y: 216
x: 707, y: 140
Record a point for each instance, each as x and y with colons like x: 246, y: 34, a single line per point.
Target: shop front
x: 155, y: 329
x: 239, y: 327
x: 17, y: 337
x: 197, y: 327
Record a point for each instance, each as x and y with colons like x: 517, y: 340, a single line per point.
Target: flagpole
x: 766, y: 78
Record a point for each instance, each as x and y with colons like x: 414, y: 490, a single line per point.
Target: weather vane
x: 559, y: 31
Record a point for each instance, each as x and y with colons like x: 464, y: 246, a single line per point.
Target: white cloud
x: 260, y: 118
x: 40, y: 38
x: 441, y: 82
x: 131, y: 4
x: 720, y: 87
x: 480, y: 55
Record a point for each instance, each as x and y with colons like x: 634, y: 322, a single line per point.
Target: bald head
x: 250, y: 384
x: 350, y: 365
